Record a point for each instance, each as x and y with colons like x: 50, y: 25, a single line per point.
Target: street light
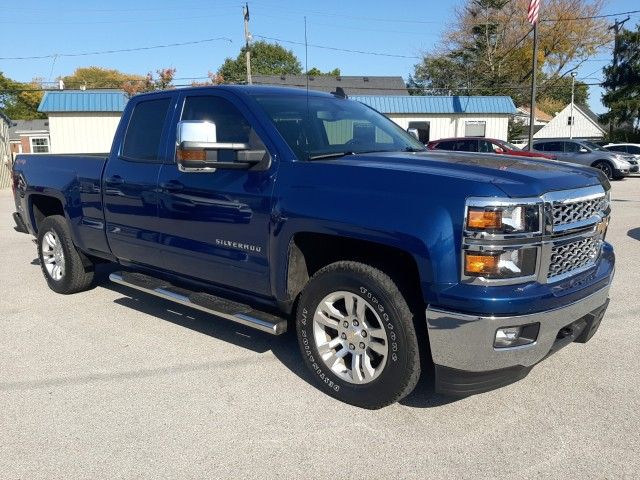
x: 571, y: 119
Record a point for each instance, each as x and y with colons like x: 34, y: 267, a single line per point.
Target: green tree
x: 488, y: 49
x: 266, y: 59
x: 316, y: 72
x: 622, y: 83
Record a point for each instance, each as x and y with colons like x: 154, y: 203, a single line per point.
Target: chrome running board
x: 205, y: 302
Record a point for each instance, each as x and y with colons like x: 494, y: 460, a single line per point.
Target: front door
x: 215, y: 226
x: 130, y: 183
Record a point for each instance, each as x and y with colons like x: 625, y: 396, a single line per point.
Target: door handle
x: 172, y: 186
x: 115, y: 180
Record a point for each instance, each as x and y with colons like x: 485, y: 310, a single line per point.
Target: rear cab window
x: 144, y: 131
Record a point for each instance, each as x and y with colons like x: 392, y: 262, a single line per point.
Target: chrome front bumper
x: 465, y: 342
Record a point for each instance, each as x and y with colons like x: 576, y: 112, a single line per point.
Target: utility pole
x: 616, y: 27
x: 247, y: 39
x: 573, y: 85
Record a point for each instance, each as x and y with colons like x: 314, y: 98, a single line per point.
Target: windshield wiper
x: 330, y: 155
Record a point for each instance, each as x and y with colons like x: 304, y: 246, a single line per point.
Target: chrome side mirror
x: 414, y: 132
x: 197, y: 148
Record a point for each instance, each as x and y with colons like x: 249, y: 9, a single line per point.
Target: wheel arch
x: 42, y: 206
x: 308, y: 252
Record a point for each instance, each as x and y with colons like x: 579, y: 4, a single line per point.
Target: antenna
x: 306, y: 73
x: 306, y: 54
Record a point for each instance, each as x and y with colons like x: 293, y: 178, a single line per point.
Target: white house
x: 582, y: 124
x: 82, y: 121
x: 438, y: 117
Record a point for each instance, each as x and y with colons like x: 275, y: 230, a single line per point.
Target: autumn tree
x: 161, y: 80
x: 488, y: 49
x: 20, y: 100
x: 98, y: 77
x: 266, y: 59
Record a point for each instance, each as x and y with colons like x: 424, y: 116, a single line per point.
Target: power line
x: 591, y: 17
x: 362, y: 52
x: 122, y: 50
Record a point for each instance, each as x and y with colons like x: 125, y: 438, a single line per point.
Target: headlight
x: 503, y: 219
x: 621, y: 162
x: 500, y: 264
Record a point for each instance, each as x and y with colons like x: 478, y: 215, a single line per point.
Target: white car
x: 628, y: 149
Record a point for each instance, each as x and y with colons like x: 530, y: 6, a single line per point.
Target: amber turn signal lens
x: 481, y: 264
x: 480, y: 219
x: 192, y: 155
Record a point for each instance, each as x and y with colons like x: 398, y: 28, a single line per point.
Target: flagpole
x: 532, y: 114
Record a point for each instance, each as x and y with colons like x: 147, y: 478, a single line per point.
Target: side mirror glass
x: 198, y: 149
x: 414, y: 132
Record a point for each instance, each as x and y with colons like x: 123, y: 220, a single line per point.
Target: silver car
x: 628, y: 149
x: 614, y: 165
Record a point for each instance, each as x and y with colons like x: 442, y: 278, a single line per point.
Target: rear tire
x: 60, y: 261
x: 357, y: 336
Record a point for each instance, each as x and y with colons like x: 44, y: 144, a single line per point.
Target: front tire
x: 61, y: 264
x: 357, y: 337
x: 605, y: 167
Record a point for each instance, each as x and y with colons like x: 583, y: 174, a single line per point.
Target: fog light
x: 516, y: 336
x: 507, y: 337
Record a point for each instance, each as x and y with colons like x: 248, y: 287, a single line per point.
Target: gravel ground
x: 114, y: 384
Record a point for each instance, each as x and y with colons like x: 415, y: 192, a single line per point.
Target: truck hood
x: 515, y: 176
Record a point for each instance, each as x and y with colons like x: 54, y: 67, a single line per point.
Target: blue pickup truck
x: 282, y: 208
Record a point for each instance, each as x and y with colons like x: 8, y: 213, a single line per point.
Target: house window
x: 39, y: 145
x: 475, y: 128
x: 570, y: 120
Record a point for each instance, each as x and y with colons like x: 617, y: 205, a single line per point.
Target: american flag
x: 532, y: 13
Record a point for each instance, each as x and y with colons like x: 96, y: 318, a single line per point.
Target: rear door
x: 130, y: 182
x: 215, y: 225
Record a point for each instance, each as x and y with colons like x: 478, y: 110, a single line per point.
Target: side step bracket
x: 205, y: 302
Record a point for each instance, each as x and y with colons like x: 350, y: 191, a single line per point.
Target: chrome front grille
x: 572, y: 257
x: 565, y: 213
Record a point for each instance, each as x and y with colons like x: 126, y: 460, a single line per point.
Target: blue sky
x: 405, y: 28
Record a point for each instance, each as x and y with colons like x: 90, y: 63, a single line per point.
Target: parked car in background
x: 629, y: 149
x: 483, y: 145
x: 613, y: 165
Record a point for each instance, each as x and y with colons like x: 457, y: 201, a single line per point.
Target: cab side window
x: 231, y: 125
x: 144, y: 132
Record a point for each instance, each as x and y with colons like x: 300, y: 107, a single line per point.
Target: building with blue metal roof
x: 82, y: 121
x: 436, y: 117
x: 83, y: 101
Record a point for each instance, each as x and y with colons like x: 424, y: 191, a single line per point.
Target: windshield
x: 333, y: 127
x: 594, y: 146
